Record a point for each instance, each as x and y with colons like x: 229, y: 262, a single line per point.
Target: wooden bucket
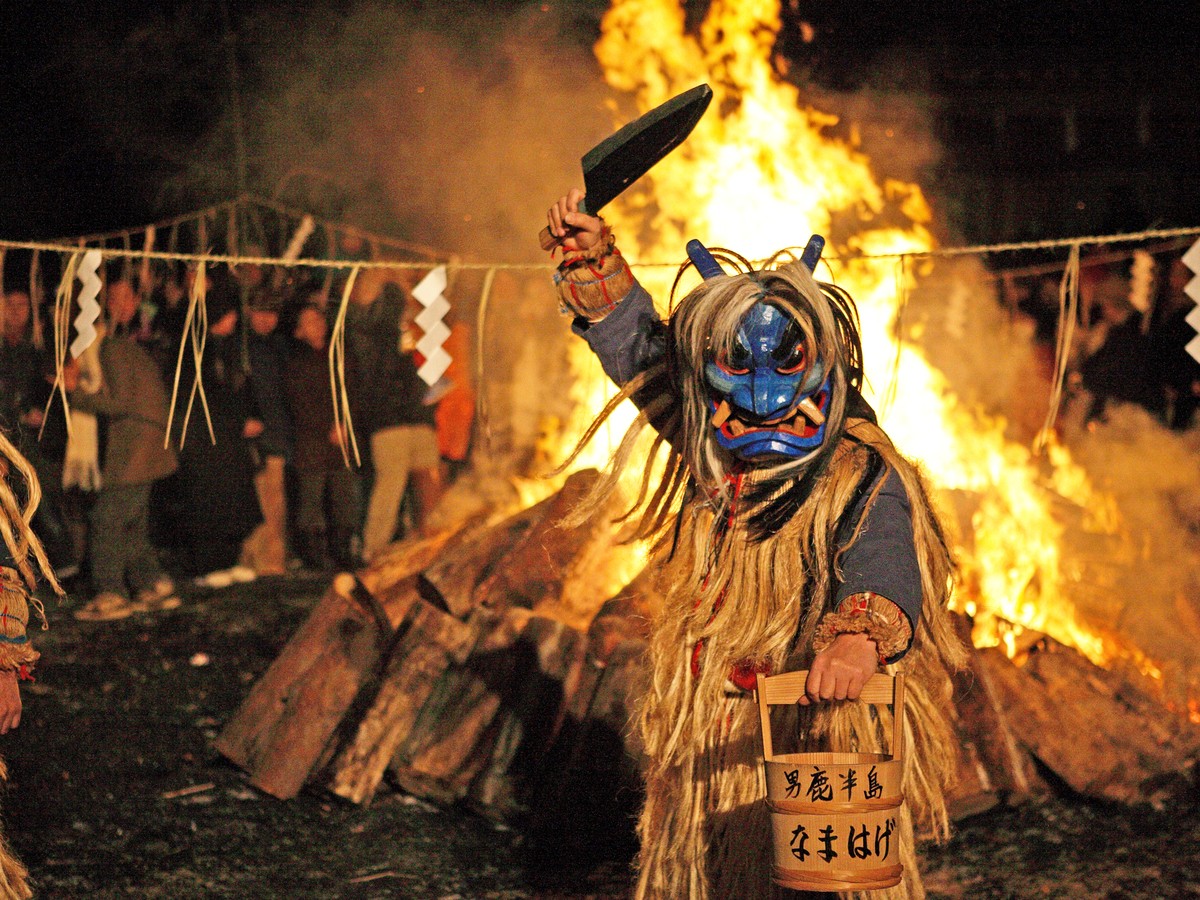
x: 835, y: 817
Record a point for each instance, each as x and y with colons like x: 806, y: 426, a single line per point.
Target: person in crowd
x: 393, y: 410
x: 323, y: 479
x: 455, y: 412
x: 127, y: 391
x: 25, y: 387
x: 217, y: 507
x: 1177, y: 372
x: 1114, y: 368
x: 168, y: 296
x: 265, y: 550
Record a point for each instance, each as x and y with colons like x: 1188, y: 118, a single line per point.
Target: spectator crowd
x: 1126, y: 348
x: 253, y: 481
x: 256, y: 481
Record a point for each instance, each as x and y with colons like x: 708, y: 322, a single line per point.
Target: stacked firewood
x: 472, y: 666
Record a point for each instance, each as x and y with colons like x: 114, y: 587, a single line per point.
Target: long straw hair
x: 754, y: 553
x: 23, y: 545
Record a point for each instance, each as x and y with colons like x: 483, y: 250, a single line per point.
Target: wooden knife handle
x: 547, y: 240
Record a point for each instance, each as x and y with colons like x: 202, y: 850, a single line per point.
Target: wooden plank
x: 281, y: 730
x: 471, y: 555
x: 588, y: 800
x: 401, y: 561
x: 549, y: 657
x: 430, y: 641
x: 535, y: 568
x: 452, y: 738
x: 993, y: 765
x: 628, y: 615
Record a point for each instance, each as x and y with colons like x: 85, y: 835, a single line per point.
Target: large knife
x: 624, y: 157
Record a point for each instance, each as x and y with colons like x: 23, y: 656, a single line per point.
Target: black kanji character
x: 874, y: 788
x: 849, y: 783
x: 819, y: 787
x: 883, y: 838
x: 793, y: 782
x: 827, y: 838
x: 799, y: 840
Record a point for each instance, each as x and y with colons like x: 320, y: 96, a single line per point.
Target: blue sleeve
x: 883, y: 560
x: 629, y: 340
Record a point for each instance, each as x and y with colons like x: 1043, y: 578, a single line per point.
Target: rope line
x: 313, y: 263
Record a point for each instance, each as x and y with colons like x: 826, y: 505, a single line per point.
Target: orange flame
x: 761, y: 171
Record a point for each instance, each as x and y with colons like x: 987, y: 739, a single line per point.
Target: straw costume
x: 787, y: 521
x: 21, y: 558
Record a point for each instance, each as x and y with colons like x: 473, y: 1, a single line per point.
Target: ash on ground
x: 115, y: 791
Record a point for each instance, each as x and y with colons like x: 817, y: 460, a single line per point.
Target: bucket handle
x: 788, y: 688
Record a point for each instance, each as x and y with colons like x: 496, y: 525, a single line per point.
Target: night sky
x: 118, y: 112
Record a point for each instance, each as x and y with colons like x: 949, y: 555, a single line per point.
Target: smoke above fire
x: 466, y: 130
x: 460, y: 123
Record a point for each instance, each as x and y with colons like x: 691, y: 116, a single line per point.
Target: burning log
x: 591, y: 784
x: 452, y: 740
x: 993, y: 768
x: 432, y: 662
x: 282, y: 730
x: 1094, y: 729
x: 482, y: 665
x: 549, y: 662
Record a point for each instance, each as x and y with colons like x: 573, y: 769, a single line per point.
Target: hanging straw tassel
x: 62, y: 329
x: 480, y: 404
x: 35, y: 300
x: 144, y: 286
x: 195, y: 330
x: 1068, y: 315
x: 3, y: 313
x: 902, y: 282
x: 342, y: 422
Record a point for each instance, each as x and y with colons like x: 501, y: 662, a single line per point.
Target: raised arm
x: 612, y: 312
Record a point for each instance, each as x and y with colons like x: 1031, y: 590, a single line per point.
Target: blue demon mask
x: 769, y: 397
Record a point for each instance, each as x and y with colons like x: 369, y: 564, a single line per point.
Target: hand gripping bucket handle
x: 788, y: 688
x: 834, y: 815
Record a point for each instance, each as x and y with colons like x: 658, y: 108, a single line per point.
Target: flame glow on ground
x: 759, y: 173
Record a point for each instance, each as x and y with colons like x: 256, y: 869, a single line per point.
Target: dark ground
x: 119, y: 724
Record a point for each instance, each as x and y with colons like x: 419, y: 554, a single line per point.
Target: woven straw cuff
x: 591, y: 283
x: 873, y: 615
x: 14, y: 609
x: 15, y: 657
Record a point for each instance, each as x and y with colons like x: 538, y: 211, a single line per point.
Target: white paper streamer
x: 429, y: 295
x: 1191, y: 259
x: 89, y: 309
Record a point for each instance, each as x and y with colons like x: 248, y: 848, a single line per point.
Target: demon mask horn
x: 708, y: 267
